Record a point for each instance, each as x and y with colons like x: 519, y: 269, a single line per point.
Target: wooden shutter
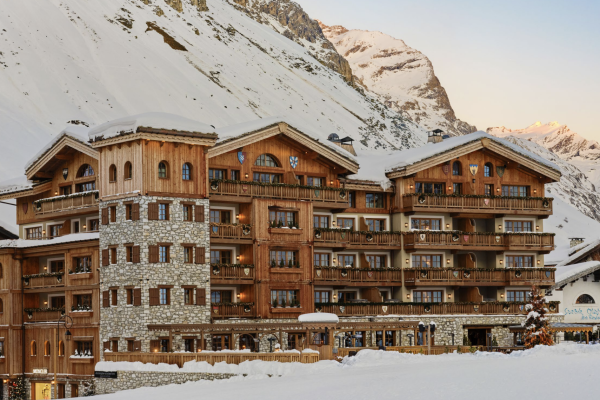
x: 135, y: 254
x: 105, y: 216
x: 154, y: 346
x: 105, y: 257
x: 105, y: 299
x: 167, y: 212
x: 135, y: 211
x: 152, y: 254
x: 137, y: 297
x: 137, y: 345
x: 363, y: 224
x: 200, y: 296
x: 200, y: 255
x: 107, y: 346
x: 153, y: 211
x: 154, y: 297
x: 364, y: 261
x: 66, y: 228
x: 199, y: 211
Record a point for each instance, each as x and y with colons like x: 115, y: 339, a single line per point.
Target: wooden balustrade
x: 230, y: 231
x: 457, y: 240
x: 435, y: 350
x: 235, y: 310
x: 275, y: 191
x: 342, y: 274
x: 530, y: 276
x: 232, y: 272
x: 510, y: 205
x: 475, y: 277
x: 42, y: 316
x: 210, y: 357
x: 87, y: 199
x: 43, y: 282
x: 350, y: 238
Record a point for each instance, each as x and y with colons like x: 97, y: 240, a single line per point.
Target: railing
x: 435, y: 350
x: 342, y: 274
x: 526, y: 276
x: 523, y: 276
x: 232, y: 271
x: 275, y: 191
x: 227, y: 231
x: 211, y: 357
x: 536, y: 205
x: 42, y: 315
x: 355, y: 310
x: 36, y: 282
x: 361, y: 238
x: 451, y: 239
x: 66, y: 203
x: 229, y: 310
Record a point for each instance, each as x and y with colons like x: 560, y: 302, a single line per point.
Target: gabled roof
x: 6, y: 234
x: 415, y: 160
x: 571, y: 273
x: 580, y: 252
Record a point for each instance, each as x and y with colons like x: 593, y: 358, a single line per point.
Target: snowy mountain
x: 401, y: 76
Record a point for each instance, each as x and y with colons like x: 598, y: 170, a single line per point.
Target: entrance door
x: 221, y: 342
x: 247, y: 342
x: 478, y: 337
x: 295, y: 341
x: 43, y: 391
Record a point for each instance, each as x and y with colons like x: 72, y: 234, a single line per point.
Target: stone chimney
x: 345, y: 143
x: 435, y: 136
x: 576, y: 241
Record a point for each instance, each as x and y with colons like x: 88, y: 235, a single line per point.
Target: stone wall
x: 135, y: 379
x: 127, y: 321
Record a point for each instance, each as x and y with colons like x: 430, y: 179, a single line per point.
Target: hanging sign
x: 446, y: 168
x: 40, y: 370
x: 500, y: 171
x: 241, y: 156
x: 65, y: 173
x: 105, y: 374
x: 473, y: 168
x: 293, y: 161
x: 25, y: 208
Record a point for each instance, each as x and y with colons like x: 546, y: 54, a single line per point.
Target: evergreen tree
x: 19, y: 390
x: 536, y: 325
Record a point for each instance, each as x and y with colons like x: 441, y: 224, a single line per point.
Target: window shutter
x: 167, y: 212
x: 154, y: 346
x: 152, y: 254
x: 199, y: 211
x: 106, y: 346
x: 154, y: 297
x: 137, y: 345
x: 200, y: 255
x: 364, y: 261
x: 200, y: 297
x: 105, y: 216
x: 168, y: 254
x: 135, y: 212
x: 66, y: 228
x: 105, y: 257
x: 153, y: 211
x: 363, y: 224
x: 137, y: 297
x: 105, y: 299
x: 135, y: 254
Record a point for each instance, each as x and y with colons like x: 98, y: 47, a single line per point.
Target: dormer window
x: 266, y: 160
x: 85, y: 170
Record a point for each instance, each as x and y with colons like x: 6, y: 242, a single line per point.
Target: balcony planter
x: 81, y: 360
x: 285, y: 231
x: 81, y: 275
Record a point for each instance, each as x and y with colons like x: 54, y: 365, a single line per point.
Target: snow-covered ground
x: 561, y: 372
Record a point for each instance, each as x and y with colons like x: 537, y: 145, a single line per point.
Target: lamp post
x: 68, y: 324
x: 410, y: 338
x: 271, y: 339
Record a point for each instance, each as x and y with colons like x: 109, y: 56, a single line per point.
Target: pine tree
x: 536, y: 325
x: 18, y: 390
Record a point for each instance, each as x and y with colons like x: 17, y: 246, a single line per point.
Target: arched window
x: 128, y: 171
x: 456, y: 168
x: 266, y: 160
x: 585, y: 299
x: 47, y: 348
x: 163, y: 170
x: 112, y: 173
x: 186, y: 172
x: 33, y: 348
x: 488, y: 170
x: 61, y: 348
x: 85, y: 170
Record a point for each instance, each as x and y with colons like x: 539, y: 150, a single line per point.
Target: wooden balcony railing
x: 512, y: 205
x: 342, y: 274
x: 232, y: 272
x: 236, y: 310
x: 230, y: 231
x: 42, y: 315
x: 210, y: 357
x: 371, y: 309
x: 468, y: 277
x: 279, y: 191
x: 66, y: 203
x: 43, y: 281
x: 457, y: 240
x: 360, y: 238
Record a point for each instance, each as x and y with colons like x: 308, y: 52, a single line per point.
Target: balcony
x: 233, y: 310
x: 238, y: 190
x: 61, y: 204
x: 540, y: 206
x: 42, y: 314
x: 48, y: 280
x: 231, y: 274
x: 350, y: 239
x: 357, y: 277
x: 478, y: 277
x: 230, y: 233
x: 372, y: 309
x: 454, y: 240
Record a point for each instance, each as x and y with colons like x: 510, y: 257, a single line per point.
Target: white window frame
x: 347, y: 253
x: 532, y: 220
x: 387, y: 254
x: 441, y: 217
x: 428, y: 253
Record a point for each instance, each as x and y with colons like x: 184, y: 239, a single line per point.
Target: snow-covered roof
x: 75, y: 132
x: 154, y: 120
x: 22, y: 243
x: 569, y: 273
x: 319, y: 317
x: 579, y: 251
x: 14, y: 185
x: 412, y: 156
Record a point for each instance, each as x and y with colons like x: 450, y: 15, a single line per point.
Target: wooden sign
x: 105, y: 374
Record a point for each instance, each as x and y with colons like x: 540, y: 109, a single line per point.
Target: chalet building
x: 154, y: 234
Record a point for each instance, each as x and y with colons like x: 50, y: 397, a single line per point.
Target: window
x: 488, y: 189
x: 282, y: 218
x: 519, y: 261
x: 85, y: 170
x: 374, y: 200
x: 163, y: 211
x: 488, y: 170
x: 376, y: 261
x: 425, y: 224
x: 113, y: 255
x: 352, y: 199
x: 426, y: 261
x: 113, y: 297
x: 94, y: 225
x: 321, y: 260
x: 186, y: 172
x: 66, y: 190
x: 518, y: 226
x: 515, y: 191
x: 188, y: 296
x: 216, y: 173
x: 163, y: 170
x: 585, y: 299
x: 164, y: 296
x: 375, y: 225
x: 57, y: 301
x: 315, y: 181
x: 321, y: 296
x: 188, y: 345
x: 284, y: 298
x: 220, y: 216
x: 128, y: 212
x: 345, y: 223
x: 33, y: 233
x: 346, y: 260
x: 188, y: 255
x: 76, y: 226
x: 221, y: 342
x: 321, y: 221
x: 33, y: 347
x: 112, y: 173
x: 84, y: 348
x: 283, y: 258
x: 57, y: 266
x: 235, y: 175
x: 221, y: 296
x: 85, y: 187
x: 82, y: 264
x: 516, y: 295
x: 187, y: 212
x: 128, y: 172
x: 457, y: 188
x: 82, y: 302
x: 426, y: 187
x: 345, y: 297
x: 266, y: 178
x: 128, y: 254
x: 163, y: 254
x: 266, y: 160
x: 220, y: 256
x: 456, y: 168
x: 129, y: 296
x: 55, y: 230
x: 427, y: 296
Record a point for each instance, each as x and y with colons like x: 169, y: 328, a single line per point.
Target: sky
x: 508, y: 63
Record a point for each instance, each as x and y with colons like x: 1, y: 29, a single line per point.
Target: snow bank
x: 319, y: 317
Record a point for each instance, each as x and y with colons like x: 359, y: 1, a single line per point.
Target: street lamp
x: 271, y: 339
x: 67, y: 323
x: 410, y: 338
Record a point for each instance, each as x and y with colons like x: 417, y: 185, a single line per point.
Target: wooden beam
x: 64, y: 157
x: 44, y: 175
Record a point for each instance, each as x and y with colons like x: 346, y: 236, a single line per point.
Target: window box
x: 81, y: 360
x: 286, y: 270
x: 84, y: 275
x: 286, y: 231
x: 287, y: 310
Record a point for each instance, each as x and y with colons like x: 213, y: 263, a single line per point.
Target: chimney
x: 345, y: 143
x: 576, y: 241
x: 435, y: 136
